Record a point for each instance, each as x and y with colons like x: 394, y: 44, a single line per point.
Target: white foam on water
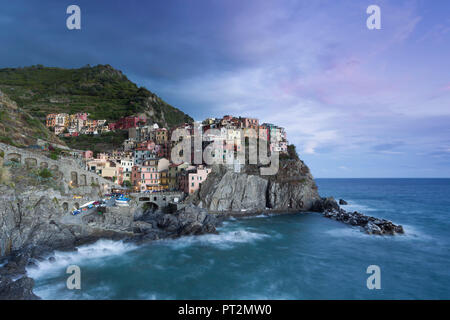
x: 85, y: 254
x: 259, y: 216
x: 223, y: 240
x: 354, y: 206
x: 347, y: 231
x: 411, y: 233
x: 58, y: 291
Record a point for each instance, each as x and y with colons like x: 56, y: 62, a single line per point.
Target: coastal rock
x: 342, y: 202
x: 372, y: 228
x: 292, y: 187
x: 21, y: 289
x: 191, y: 220
x: 371, y: 225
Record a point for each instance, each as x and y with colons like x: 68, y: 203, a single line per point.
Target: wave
x: 84, y: 254
x: 223, y: 240
x: 259, y: 216
x: 354, y: 206
x: 58, y: 291
x: 411, y: 233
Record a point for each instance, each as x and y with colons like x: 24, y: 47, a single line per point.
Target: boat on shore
x: 122, y: 201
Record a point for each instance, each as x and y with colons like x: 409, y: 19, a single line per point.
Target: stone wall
x: 67, y: 169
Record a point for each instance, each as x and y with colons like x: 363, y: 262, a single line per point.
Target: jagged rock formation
x: 371, y: 225
x: 21, y: 289
x: 293, y: 187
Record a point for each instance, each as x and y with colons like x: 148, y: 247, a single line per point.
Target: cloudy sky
x: 356, y: 102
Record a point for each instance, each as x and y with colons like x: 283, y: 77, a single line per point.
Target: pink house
x: 190, y: 180
x: 88, y: 154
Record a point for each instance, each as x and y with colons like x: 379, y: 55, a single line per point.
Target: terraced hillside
x: 19, y: 128
x: 102, y: 91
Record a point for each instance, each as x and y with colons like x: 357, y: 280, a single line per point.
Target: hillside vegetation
x: 102, y: 91
x: 19, y: 128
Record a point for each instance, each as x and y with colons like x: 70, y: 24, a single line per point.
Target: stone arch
x: 30, y: 162
x: 16, y: 157
x: 76, y: 205
x: 74, y: 178
x: 82, y: 179
x: 43, y: 165
x: 150, y: 206
x: 54, y: 168
x: 65, y: 206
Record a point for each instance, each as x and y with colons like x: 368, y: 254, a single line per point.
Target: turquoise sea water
x: 299, y: 256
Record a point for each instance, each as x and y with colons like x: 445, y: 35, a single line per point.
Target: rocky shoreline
x: 35, y: 220
x: 154, y: 225
x: 145, y: 226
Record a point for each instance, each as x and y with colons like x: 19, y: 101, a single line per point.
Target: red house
x: 127, y: 123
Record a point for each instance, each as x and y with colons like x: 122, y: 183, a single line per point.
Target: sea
x: 291, y: 256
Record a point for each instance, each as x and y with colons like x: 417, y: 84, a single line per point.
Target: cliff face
x: 33, y: 218
x: 293, y: 187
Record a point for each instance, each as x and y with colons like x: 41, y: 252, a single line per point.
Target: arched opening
x: 15, y: 157
x: 74, y: 179
x: 43, y: 165
x: 31, y: 162
x: 58, y: 175
x: 76, y: 205
x: 92, y: 180
x: 65, y: 206
x: 82, y: 180
x: 54, y: 168
x: 150, y: 206
x: 144, y: 199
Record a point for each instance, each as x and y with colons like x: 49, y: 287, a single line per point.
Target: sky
x: 355, y: 102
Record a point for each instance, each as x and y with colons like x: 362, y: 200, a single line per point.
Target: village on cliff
x: 144, y: 163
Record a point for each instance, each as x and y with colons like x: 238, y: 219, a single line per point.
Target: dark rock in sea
x: 371, y: 225
x: 342, y: 202
x: 52, y: 259
x: 190, y: 220
x: 21, y: 289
